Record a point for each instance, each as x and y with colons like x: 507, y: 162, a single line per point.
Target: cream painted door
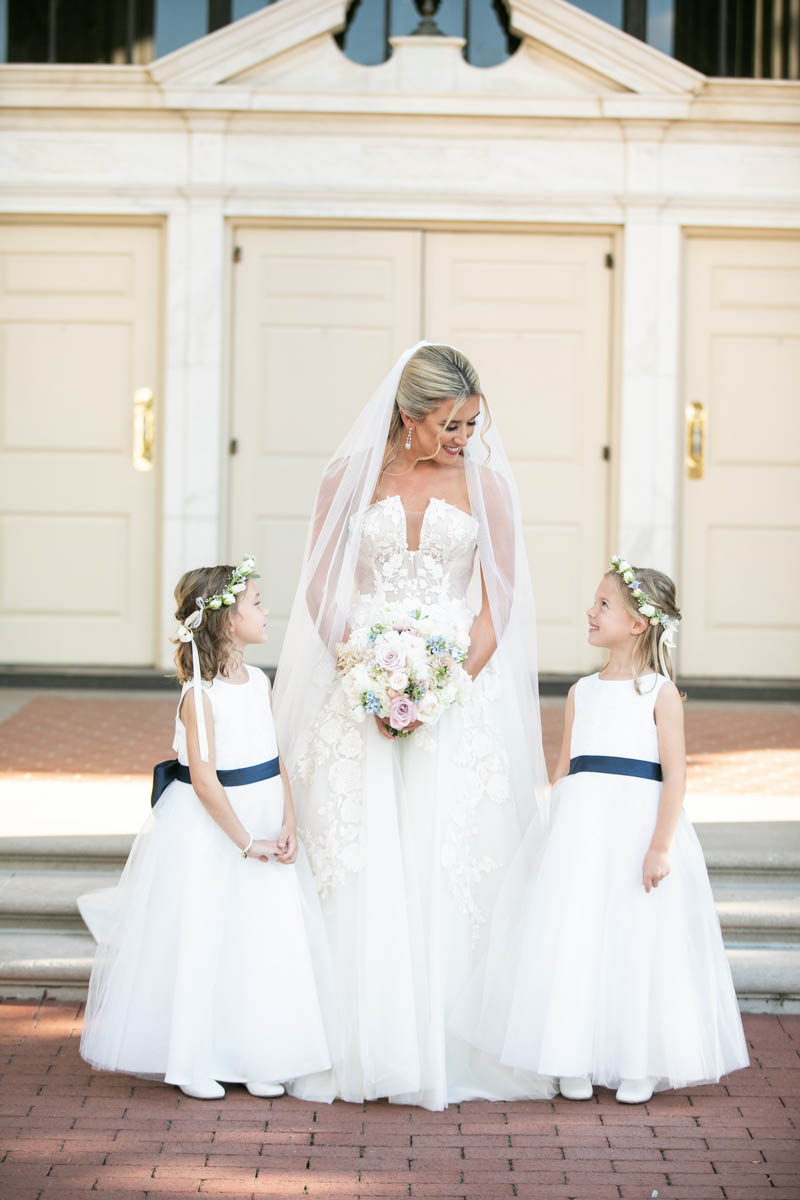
x: 319, y: 316
x: 740, y: 573
x: 79, y: 323
x: 533, y: 313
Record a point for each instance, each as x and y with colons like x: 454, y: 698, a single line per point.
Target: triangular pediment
x: 289, y: 48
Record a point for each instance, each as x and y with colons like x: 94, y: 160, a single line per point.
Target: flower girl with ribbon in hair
x: 211, y: 962
x: 611, y: 969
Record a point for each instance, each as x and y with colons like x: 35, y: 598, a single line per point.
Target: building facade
x: 209, y: 261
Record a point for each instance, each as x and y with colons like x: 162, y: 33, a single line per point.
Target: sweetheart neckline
x: 432, y: 500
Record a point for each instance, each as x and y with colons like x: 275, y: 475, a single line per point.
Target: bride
x: 409, y: 838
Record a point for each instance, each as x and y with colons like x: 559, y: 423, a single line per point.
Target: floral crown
x: 646, y: 605
x: 235, y: 583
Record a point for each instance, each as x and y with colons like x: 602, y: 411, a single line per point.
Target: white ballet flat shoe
x: 203, y: 1089
x: 265, y: 1089
x: 635, y: 1091
x: 575, y: 1087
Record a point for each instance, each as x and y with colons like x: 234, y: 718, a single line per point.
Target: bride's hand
x: 383, y: 726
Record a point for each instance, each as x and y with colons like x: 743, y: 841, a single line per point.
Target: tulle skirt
x: 208, y: 965
x: 409, y: 841
x: 588, y: 975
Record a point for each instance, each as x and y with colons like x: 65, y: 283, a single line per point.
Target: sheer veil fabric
x: 393, y: 1046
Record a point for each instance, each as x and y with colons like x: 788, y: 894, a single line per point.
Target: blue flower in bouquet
x: 371, y: 703
x: 437, y: 645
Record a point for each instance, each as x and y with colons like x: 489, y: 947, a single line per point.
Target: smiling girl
x: 614, y: 972
x: 204, y: 968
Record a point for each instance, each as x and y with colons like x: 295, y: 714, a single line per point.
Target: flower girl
x: 621, y: 978
x: 211, y: 958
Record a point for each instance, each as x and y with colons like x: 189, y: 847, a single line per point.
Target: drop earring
x: 408, y: 439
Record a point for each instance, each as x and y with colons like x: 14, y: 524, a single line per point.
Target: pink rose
x: 388, y: 653
x: 402, y: 712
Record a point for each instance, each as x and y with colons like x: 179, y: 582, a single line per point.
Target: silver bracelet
x: 247, y: 847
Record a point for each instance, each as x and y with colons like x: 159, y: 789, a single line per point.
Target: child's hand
x: 656, y: 868
x: 287, y: 844
x: 263, y: 850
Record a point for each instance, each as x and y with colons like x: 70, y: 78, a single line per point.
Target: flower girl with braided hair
x: 211, y: 962
x: 610, y: 969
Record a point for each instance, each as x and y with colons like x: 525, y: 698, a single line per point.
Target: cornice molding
x: 619, y: 57
x: 244, y: 44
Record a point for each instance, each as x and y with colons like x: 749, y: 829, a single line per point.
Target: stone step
x: 758, y: 913
x: 35, y: 963
x: 47, y: 899
x: 751, y: 851
x: 89, y: 852
x: 741, y: 848
x: 766, y: 978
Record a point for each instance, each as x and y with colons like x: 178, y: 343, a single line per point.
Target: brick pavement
x: 732, y: 748
x: 66, y: 1131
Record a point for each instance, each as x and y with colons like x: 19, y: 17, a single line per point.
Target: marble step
x: 741, y: 848
x: 45, y: 899
x: 88, y: 852
x: 34, y: 963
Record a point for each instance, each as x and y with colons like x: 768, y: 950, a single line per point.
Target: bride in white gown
x: 409, y: 838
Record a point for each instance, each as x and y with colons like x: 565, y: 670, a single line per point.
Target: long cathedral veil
x: 327, y: 588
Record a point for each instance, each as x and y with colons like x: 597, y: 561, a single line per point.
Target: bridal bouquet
x: 404, y: 668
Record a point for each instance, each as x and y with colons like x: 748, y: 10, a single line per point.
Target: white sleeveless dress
x: 209, y: 965
x: 408, y: 842
x: 595, y: 977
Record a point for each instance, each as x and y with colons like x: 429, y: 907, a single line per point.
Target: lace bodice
x: 436, y: 575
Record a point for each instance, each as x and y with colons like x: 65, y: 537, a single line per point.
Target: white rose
x: 637, y: 592
x: 237, y: 587
x: 428, y: 708
x: 647, y: 610
x: 228, y: 598
x: 628, y: 576
x: 215, y: 602
x: 398, y: 681
x: 448, y: 695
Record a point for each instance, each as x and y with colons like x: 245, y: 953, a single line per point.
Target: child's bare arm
x: 287, y: 838
x: 208, y: 788
x: 562, y: 766
x: 672, y: 752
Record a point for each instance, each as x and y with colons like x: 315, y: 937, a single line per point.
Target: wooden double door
x: 319, y: 316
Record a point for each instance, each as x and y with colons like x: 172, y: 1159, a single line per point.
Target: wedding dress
x: 408, y: 839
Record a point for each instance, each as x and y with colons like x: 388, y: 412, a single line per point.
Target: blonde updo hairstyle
x: 433, y: 375
x: 213, y: 639
x: 660, y: 590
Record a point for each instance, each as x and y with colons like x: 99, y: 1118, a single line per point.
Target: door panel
x: 319, y: 317
x: 79, y: 332
x: 532, y: 312
x: 740, y: 573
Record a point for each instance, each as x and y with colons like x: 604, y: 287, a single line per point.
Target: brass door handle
x: 143, y: 429
x: 695, y: 440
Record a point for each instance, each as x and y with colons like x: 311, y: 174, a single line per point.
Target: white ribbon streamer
x: 186, y: 634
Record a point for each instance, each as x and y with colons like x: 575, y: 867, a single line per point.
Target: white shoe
x: 575, y: 1087
x: 203, y: 1089
x: 635, y: 1091
x: 265, y: 1089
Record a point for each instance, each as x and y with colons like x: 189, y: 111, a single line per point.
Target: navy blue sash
x: 607, y: 764
x: 165, y: 772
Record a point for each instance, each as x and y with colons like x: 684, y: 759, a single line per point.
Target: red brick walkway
x: 68, y: 1132
x: 732, y: 748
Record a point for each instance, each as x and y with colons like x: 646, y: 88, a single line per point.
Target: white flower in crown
x: 647, y: 610
x: 623, y: 566
x: 214, y: 602
x: 628, y: 576
x: 637, y: 592
x: 228, y: 598
x: 236, y: 588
